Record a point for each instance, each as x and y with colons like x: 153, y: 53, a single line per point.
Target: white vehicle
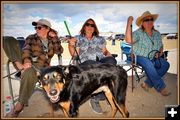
x: 171, y: 36
x: 119, y: 36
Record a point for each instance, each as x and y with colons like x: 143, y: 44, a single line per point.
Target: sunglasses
x: 39, y: 28
x: 147, y: 20
x: 88, y: 24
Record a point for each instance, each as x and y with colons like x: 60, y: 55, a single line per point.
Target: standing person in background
x: 38, y: 50
x: 91, y: 49
x: 145, y: 40
x: 114, y: 41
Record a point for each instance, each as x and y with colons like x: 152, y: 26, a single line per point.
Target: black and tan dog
x: 72, y: 87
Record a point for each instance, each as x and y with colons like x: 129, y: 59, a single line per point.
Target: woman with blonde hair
x: 148, y: 46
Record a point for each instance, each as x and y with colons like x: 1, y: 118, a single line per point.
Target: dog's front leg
x: 65, y: 107
x: 51, y: 110
x: 73, y: 112
x: 65, y: 113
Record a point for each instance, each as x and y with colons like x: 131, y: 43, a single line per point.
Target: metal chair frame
x: 10, y: 78
x: 133, y: 65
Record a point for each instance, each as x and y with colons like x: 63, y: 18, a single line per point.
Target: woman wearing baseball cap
x: 145, y: 40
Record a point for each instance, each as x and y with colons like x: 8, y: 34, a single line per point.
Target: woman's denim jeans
x: 154, y: 71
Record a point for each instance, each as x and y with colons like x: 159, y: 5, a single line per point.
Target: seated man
x: 38, y: 50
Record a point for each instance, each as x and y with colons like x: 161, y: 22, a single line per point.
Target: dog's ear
x: 38, y: 73
x: 73, y: 69
x: 64, y: 68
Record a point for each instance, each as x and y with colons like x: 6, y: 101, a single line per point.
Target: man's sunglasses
x: 147, y: 20
x: 39, y: 28
x: 88, y: 24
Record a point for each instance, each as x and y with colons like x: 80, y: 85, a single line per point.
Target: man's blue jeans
x: 154, y: 71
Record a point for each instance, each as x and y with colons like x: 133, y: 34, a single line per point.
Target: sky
x: 17, y: 17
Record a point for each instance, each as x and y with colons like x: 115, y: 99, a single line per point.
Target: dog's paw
x: 73, y: 114
x: 127, y: 114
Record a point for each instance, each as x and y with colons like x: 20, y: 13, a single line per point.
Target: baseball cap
x: 42, y: 22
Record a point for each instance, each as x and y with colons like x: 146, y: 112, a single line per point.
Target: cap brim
x: 34, y: 23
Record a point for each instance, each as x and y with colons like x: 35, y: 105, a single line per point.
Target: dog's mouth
x: 54, y: 99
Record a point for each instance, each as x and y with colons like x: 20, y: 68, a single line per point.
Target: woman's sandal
x: 145, y: 87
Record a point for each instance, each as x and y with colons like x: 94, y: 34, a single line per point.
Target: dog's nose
x: 53, y: 92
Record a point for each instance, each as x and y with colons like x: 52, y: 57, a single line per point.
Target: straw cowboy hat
x: 145, y: 14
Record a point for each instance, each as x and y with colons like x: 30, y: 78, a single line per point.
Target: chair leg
x: 132, y: 78
x: 10, y: 82
x: 138, y: 78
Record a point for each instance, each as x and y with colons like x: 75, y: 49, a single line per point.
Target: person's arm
x: 26, y: 59
x: 22, y: 67
x: 128, y: 34
x: 18, y: 65
x: 106, y: 52
x: 161, y: 51
x: 71, y: 46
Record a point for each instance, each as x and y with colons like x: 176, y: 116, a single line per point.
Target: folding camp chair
x: 126, y: 52
x: 15, y: 75
x: 7, y: 40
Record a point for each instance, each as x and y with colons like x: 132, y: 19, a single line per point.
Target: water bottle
x: 8, y: 105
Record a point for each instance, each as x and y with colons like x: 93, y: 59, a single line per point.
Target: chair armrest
x: 114, y: 55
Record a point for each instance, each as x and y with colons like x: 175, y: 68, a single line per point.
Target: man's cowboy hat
x: 145, y: 14
x: 42, y: 22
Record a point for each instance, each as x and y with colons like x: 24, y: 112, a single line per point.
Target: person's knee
x: 165, y: 63
x: 114, y: 62
x: 89, y: 62
x: 109, y: 60
x: 29, y: 73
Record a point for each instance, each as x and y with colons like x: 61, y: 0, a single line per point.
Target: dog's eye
x: 46, y: 77
x: 56, y: 75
